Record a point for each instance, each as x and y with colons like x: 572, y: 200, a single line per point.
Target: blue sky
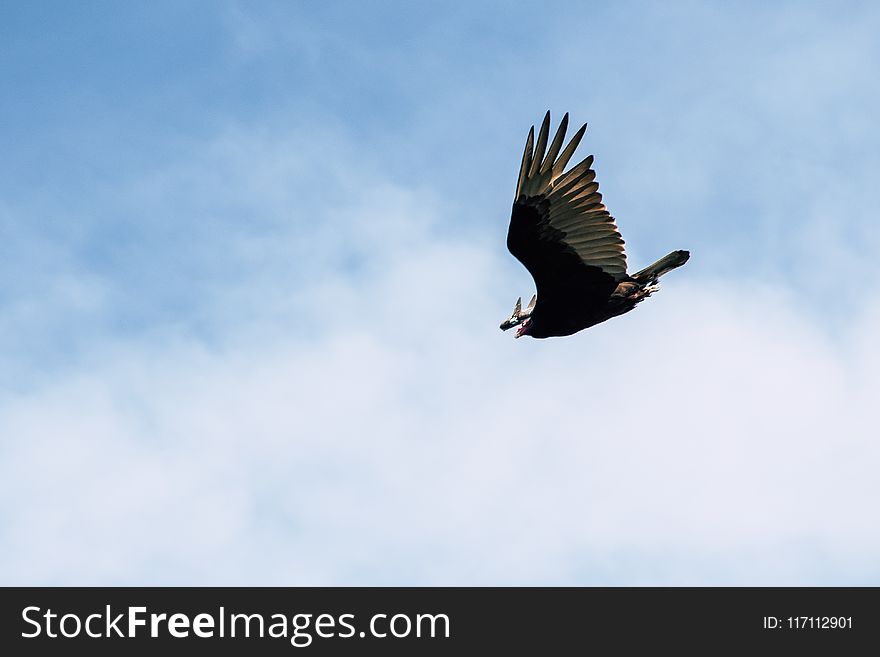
x: 252, y: 267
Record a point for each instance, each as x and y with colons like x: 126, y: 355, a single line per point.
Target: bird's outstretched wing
x: 559, y: 228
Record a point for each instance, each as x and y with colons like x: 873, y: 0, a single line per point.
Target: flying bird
x: 566, y: 238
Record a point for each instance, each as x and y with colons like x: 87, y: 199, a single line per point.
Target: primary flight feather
x: 564, y: 235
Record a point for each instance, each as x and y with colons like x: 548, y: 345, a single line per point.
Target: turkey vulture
x: 565, y: 237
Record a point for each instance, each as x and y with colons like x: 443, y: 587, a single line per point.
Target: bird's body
x: 565, y: 237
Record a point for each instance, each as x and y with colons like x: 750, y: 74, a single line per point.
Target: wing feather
x: 526, y: 162
x: 540, y: 146
x: 563, y: 159
x: 556, y: 145
x: 573, y: 174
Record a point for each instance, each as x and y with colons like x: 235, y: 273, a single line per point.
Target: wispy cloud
x: 371, y: 426
x: 266, y: 350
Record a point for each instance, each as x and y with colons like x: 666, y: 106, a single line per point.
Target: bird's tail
x: 651, y: 273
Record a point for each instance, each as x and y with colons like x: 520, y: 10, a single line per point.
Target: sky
x: 252, y: 267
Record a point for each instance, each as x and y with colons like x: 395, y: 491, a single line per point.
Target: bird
x: 565, y: 237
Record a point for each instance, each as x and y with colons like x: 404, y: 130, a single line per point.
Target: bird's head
x: 524, y: 328
x: 519, y: 317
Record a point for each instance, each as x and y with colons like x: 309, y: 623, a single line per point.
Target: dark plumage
x: 565, y: 237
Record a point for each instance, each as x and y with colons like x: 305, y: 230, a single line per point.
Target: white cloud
x: 405, y: 440
x: 313, y: 389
